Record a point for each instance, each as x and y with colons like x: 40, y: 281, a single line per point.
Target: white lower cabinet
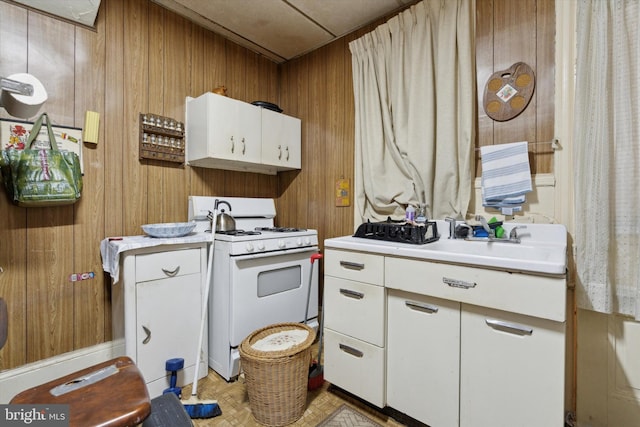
x: 463, y: 346
x: 423, y: 357
x: 157, y: 307
x: 511, y: 369
x: 168, y: 322
x: 355, y: 324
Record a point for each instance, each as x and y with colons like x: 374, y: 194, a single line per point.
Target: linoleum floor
x: 234, y: 403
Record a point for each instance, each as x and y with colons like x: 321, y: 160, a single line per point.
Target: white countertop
x: 542, y: 249
x: 112, y: 247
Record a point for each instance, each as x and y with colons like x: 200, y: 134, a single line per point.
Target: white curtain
x: 414, y: 85
x: 607, y: 156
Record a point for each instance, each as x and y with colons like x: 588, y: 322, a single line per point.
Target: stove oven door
x: 271, y: 288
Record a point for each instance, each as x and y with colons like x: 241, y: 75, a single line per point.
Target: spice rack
x: 161, y: 138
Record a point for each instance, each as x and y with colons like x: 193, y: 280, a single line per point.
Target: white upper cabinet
x: 221, y: 129
x: 225, y: 133
x: 281, y: 136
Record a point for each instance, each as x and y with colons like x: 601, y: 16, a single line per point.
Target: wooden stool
x: 110, y: 394
x: 4, y: 322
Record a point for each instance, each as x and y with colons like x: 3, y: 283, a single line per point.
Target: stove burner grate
x: 280, y: 229
x: 236, y: 233
x: 403, y: 232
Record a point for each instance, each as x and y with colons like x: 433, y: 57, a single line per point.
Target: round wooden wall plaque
x: 508, y: 92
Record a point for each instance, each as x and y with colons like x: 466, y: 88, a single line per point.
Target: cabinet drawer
x: 161, y: 265
x: 355, y: 309
x: 538, y: 296
x: 355, y: 366
x: 355, y: 266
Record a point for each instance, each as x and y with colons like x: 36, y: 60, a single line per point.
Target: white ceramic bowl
x: 170, y: 229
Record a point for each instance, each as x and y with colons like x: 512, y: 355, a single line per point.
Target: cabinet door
x: 167, y: 323
x: 235, y: 127
x: 281, y: 136
x: 222, y: 128
x: 511, y: 369
x: 423, y: 357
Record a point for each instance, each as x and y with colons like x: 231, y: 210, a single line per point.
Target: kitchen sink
x: 542, y: 249
x: 534, y: 257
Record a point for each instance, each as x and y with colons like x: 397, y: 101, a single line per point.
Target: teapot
x: 223, y: 222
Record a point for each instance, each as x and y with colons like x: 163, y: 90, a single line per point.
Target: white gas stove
x: 262, y: 275
x: 255, y: 230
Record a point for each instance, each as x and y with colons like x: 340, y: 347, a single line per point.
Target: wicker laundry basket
x: 277, y: 379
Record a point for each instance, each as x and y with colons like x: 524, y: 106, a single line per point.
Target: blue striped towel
x: 505, y: 172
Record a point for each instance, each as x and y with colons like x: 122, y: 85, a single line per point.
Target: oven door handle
x: 313, y: 249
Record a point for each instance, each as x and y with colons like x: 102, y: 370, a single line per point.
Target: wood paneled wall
x: 143, y: 58
x: 507, y: 32
x: 140, y: 58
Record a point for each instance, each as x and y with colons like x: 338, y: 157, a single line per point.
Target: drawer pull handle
x: 147, y: 333
x: 352, y: 351
x: 351, y: 294
x: 426, y: 308
x: 456, y: 283
x: 512, y: 328
x: 171, y: 273
x: 352, y: 265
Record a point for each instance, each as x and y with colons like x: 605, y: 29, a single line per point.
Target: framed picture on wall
x: 14, y: 133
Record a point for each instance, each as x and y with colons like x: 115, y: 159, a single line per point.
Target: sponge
x: 91, y: 126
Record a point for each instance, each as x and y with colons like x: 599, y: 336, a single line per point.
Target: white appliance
x: 260, y: 276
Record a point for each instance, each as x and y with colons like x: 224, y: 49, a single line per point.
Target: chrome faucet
x: 513, y: 234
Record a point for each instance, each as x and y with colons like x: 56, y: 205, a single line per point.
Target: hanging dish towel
x: 506, y: 176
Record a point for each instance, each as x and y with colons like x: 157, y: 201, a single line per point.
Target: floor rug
x: 345, y: 416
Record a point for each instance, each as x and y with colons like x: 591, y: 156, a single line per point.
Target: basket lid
x: 278, y: 340
x: 281, y: 340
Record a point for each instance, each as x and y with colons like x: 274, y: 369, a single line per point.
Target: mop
x: 202, y: 408
x: 316, y: 371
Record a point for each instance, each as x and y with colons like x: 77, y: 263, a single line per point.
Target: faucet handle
x: 513, y: 234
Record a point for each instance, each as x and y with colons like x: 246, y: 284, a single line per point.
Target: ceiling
x: 81, y: 11
x: 278, y: 29
x: 283, y: 29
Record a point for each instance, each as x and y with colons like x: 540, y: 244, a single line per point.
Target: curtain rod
x: 555, y: 144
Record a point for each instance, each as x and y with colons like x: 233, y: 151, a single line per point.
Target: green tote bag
x: 41, y: 177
